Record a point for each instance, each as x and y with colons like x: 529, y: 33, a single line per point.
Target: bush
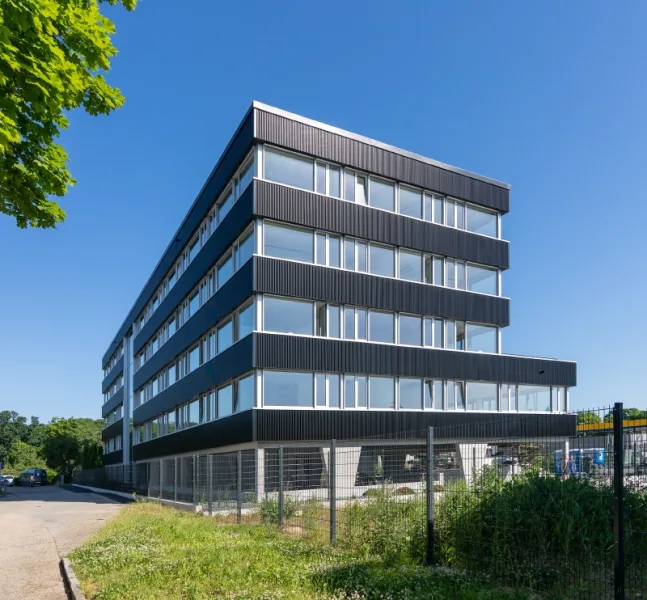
x: 533, y: 531
x: 269, y: 509
x: 385, y: 526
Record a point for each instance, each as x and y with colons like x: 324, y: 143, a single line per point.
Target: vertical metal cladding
x: 221, y: 304
x: 113, y: 458
x: 112, y: 430
x: 311, y: 210
x: 294, y: 353
x: 300, y: 280
x: 220, y: 242
x: 114, y: 402
x: 116, y: 370
x: 235, y: 152
x: 284, y: 132
x: 233, y: 362
x: 235, y: 429
x: 323, y: 425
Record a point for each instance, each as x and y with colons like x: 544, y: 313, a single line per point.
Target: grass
x: 151, y: 551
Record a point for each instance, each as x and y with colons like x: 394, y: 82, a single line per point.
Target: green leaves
x: 52, y: 54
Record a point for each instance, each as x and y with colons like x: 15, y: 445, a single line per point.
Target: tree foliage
x: 24, y: 456
x: 65, y: 440
x: 52, y: 56
x: 588, y: 418
x: 629, y: 414
x: 14, y: 428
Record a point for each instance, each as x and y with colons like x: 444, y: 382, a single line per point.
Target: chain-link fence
x: 558, y: 514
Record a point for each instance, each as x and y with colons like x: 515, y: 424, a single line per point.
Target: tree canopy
x: 588, y: 418
x: 52, y: 56
x: 629, y: 414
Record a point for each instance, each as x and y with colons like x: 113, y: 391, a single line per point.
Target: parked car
x: 32, y: 477
x: 7, y: 480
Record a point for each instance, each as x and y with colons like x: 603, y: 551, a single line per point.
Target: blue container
x: 578, y: 459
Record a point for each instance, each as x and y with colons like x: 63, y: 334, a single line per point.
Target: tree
x: 91, y: 455
x: 23, y: 456
x: 52, y: 55
x: 588, y: 418
x: 629, y: 414
x: 64, y: 440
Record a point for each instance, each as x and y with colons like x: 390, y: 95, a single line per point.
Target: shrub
x: 533, y: 531
x: 269, y: 509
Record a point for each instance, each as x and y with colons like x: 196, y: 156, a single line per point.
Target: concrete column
x: 347, y: 463
x: 471, y: 459
x: 260, y: 473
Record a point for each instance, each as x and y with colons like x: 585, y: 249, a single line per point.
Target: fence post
x: 280, y: 486
x: 175, y: 480
x: 210, y: 483
x: 332, y: 468
x: 618, y: 488
x: 239, y: 487
x: 161, y: 462
x: 194, y: 480
x: 148, y: 479
x: 430, y: 496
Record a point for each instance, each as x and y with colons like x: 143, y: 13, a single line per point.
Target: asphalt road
x: 38, y: 526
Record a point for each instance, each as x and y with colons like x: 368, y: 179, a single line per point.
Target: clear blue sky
x: 551, y: 98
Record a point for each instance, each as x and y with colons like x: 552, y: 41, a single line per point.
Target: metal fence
x: 565, y: 516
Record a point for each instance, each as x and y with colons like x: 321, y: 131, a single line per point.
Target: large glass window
x: 410, y: 330
x: 480, y: 279
x: 225, y: 336
x: 320, y: 389
x: 481, y: 221
x: 245, y: 321
x: 194, y: 359
x: 482, y: 396
x: 410, y: 393
x: 349, y: 185
x: 225, y: 271
x: 225, y: 401
x: 194, y: 304
x: 534, y: 398
x: 410, y: 202
x: 288, y: 242
x: 382, y: 260
x: 438, y: 271
x: 321, y: 178
x: 410, y: 265
x: 224, y: 206
x: 438, y: 209
x: 349, y: 323
x: 382, y: 195
x: 193, y: 250
x: 333, y: 391
x: 281, y: 388
x: 245, y: 399
x: 245, y: 178
x: 334, y: 182
x: 334, y: 321
x: 287, y: 316
x: 381, y: 392
x: 481, y: 338
x: 381, y: 326
x: 289, y: 169
x: 360, y: 190
x: 194, y: 413
x: 245, y: 250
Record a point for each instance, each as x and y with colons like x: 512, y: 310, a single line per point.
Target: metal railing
x: 554, y: 514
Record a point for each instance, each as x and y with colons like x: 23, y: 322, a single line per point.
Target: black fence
x: 564, y: 516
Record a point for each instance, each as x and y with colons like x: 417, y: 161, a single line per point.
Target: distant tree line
x: 593, y: 418
x: 61, y: 446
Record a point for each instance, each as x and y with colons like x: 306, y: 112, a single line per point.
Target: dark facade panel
x: 305, y: 425
x: 114, y: 458
x: 114, y: 402
x: 112, y: 430
x: 230, y: 160
x: 234, y: 361
x: 114, y: 372
x: 236, y: 429
x: 226, y: 299
x: 287, y: 133
x: 221, y: 240
x: 294, y: 353
x: 283, y: 203
x: 300, y: 280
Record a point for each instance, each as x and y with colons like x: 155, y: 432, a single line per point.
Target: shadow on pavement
x: 59, y: 493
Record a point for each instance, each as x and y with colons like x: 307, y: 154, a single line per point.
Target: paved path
x: 37, y: 527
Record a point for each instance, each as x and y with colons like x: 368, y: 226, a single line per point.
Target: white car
x: 7, y: 480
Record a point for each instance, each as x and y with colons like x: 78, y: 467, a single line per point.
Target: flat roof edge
x: 376, y: 143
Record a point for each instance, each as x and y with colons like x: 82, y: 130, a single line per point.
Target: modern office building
x: 324, y: 285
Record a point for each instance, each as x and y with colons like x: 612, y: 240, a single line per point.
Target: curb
x: 72, y: 585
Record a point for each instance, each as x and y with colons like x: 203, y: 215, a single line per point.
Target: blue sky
x: 549, y: 97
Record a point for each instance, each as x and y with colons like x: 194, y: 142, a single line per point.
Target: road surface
x: 40, y: 525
